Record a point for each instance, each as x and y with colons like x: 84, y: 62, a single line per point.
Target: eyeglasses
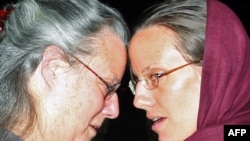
x: 111, y: 89
x: 151, y: 80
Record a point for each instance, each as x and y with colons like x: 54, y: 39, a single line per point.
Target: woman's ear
x: 53, y: 63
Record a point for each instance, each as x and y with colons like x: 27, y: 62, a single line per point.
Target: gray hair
x: 185, y: 17
x: 33, y: 26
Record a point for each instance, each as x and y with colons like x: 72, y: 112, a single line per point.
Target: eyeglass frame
x: 111, y: 89
x: 132, y: 85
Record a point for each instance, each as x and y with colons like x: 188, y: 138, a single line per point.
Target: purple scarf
x: 225, y: 85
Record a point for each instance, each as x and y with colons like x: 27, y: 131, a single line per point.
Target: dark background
x: 131, y: 125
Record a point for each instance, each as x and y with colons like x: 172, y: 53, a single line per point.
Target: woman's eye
x: 134, y: 79
x: 154, y: 75
x: 157, y: 75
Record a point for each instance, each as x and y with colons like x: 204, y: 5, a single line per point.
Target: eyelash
x: 158, y: 75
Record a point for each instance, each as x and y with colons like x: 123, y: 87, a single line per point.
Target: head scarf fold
x: 225, y: 85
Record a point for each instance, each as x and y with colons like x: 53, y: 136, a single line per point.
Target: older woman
x: 61, y: 62
x: 190, y: 70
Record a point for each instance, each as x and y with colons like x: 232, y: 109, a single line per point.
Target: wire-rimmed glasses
x: 111, y: 89
x: 151, y: 80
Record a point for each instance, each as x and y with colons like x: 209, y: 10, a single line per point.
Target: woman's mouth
x: 95, y: 127
x: 157, y: 123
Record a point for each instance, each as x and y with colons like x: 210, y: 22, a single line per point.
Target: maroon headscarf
x: 225, y: 85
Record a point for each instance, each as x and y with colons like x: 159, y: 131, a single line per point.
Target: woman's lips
x: 157, y: 123
x: 96, y: 128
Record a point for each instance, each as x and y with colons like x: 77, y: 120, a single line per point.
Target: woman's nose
x: 143, y: 98
x: 111, y: 107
